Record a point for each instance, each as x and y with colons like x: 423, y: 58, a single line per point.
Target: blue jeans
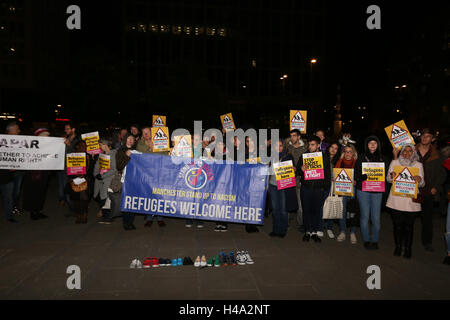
x: 279, y: 214
x: 312, y: 205
x: 18, y: 178
x: 7, y: 190
x: 370, y: 206
x: 447, y: 235
x: 343, y: 221
x: 62, y: 181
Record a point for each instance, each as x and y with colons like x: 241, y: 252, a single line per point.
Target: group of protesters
x: 305, y: 201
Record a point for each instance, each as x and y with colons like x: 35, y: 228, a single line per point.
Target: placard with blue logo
x: 195, y: 189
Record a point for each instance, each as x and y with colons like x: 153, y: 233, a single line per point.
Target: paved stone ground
x: 34, y: 256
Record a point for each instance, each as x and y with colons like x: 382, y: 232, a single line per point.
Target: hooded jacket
x: 435, y: 174
x: 366, y: 156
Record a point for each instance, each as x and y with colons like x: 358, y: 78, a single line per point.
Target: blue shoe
x: 174, y: 263
x: 179, y: 262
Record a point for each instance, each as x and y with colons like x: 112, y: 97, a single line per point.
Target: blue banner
x: 195, y: 189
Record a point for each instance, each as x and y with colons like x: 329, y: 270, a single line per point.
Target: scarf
x: 347, y: 164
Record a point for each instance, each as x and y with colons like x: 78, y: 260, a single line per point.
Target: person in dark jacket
x: 6, y: 188
x: 435, y: 176
x: 314, y: 192
x: 35, y: 187
x: 123, y: 156
x: 279, y: 199
x: 369, y: 202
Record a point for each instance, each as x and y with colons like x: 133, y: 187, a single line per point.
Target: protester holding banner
x: 35, y: 185
x: 297, y: 148
x: 279, y: 198
x: 7, y: 188
x: 123, y: 156
x: 435, y: 176
x: 13, y: 129
x: 81, y: 196
x: 70, y: 140
x: 347, y: 161
x: 403, y: 209
x: 197, y: 151
x: 251, y: 156
x: 103, y: 178
x: 314, y: 190
x: 370, y: 201
x: 334, y: 154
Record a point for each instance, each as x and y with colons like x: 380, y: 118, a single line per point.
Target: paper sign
x: 159, y: 121
x: 404, y: 184
x: 375, y: 176
x: 91, y: 140
x: 228, y: 122
x: 160, y: 137
x: 399, y: 134
x: 76, y: 164
x: 183, y: 146
x: 314, y: 166
x: 297, y: 120
x: 104, y: 161
x: 343, y: 182
x: 285, y: 175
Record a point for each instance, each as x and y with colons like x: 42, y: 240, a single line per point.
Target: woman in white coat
x: 403, y: 209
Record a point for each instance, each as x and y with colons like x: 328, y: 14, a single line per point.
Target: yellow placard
x: 92, y: 145
x: 183, y: 146
x: 298, y: 120
x: 284, y: 174
x: 159, y: 121
x: 160, y: 138
x: 314, y: 166
x: 104, y: 162
x: 399, y: 134
x: 76, y: 163
x: 343, y: 182
x: 228, y: 122
x: 404, y: 184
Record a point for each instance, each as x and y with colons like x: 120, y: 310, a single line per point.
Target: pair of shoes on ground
x: 311, y: 236
x: 136, y: 264
x: 149, y: 223
x: 243, y: 257
x: 200, y: 262
x: 371, y: 245
x: 214, y: 261
x: 220, y: 228
x: 341, y: 237
x: 17, y: 211
x: 187, y: 261
x: 152, y: 262
x: 279, y: 235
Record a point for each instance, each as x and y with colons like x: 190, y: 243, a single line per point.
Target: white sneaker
x: 330, y: 234
x: 240, y: 258
x: 197, y: 262
x: 320, y: 234
x: 136, y: 264
x: 353, y: 238
x: 200, y: 226
x: 203, y: 261
x: 249, y: 259
x: 341, y: 237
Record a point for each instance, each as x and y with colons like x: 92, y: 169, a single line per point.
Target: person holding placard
x: 315, y: 187
x: 370, y: 188
x: 104, y: 177
x: 403, y: 209
x: 347, y: 161
x: 278, y: 198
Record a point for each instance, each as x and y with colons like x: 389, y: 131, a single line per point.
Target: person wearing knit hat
x: 43, y: 132
x: 35, y: 187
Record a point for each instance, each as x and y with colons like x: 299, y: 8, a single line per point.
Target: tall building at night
x: 256, y: 53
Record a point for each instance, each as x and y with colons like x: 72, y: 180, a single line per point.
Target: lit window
x: 165, y: 28
x: 187, y: 30
x: 154, y: 28
x: 210, y: 31
x: 254, y: 63
x: 176, y: 29
x: 142, y: 28
x: 222, y: 32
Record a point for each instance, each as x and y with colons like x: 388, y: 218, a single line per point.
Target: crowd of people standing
x: 306, y: 200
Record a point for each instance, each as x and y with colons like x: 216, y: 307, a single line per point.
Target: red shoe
x: 148, y: 224
x: 161, y: 224
x: 147, y: 263
x: 155, y: 263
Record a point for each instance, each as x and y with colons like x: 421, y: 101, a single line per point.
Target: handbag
x: 333, y: 207
x: 80, y: 187
x: 116, y: 183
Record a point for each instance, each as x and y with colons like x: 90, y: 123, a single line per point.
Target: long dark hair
x: 335, y: 159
